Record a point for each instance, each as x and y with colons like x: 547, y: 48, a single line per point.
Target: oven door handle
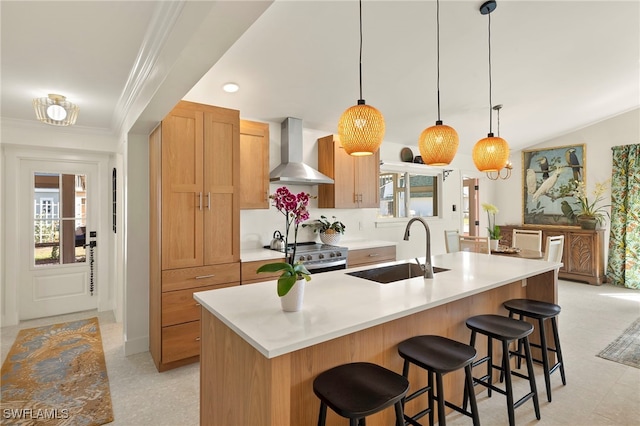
x: 313, y: 266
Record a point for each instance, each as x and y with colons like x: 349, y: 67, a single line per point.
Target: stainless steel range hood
x: 292, y: 170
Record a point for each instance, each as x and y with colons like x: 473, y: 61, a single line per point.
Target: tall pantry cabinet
x: 194, y: 223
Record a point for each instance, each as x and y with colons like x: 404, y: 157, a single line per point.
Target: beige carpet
x: 626, y: 348
x: 56, y: 375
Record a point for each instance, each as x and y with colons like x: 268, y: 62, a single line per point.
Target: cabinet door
x: 221, y: 175
x: 582, y: 253
x: 367, y: 180
x: 254, y: 165
x: 182, y: 187
x: 334, y: 162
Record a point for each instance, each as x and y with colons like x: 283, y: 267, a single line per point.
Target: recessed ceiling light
x: 231, y: 87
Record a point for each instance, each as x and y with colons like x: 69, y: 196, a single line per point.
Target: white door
x: 57, y: 215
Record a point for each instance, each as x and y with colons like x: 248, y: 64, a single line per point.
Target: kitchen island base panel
x: 240, y: 386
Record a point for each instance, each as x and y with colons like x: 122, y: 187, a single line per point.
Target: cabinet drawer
x: 370, y: 256
x: 180, y: 279
x: 180, y: 341
x: 180, y: 306
x: 249, y: 274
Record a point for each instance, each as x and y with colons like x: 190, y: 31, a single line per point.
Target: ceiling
x: 557, y: 66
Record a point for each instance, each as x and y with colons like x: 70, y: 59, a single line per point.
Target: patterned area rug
x: 626, y: 348
x: 56, y: 375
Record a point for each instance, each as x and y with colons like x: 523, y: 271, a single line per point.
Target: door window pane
x: 59, y: 218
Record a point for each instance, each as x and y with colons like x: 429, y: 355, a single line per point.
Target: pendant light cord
x: 438, y: 52
x: 360, y: 50
x: 490, y: 102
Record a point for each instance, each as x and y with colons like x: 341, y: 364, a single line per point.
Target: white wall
x: 135, y: 229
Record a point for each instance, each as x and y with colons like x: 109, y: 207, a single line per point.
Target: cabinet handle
x: 197, y: 304
x: 200, y: 277
x: 200, y: 201
x: 208, y: 201
x: 374, y: 254
x: 197, y: 339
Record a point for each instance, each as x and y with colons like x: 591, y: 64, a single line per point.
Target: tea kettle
x: 277, y: 243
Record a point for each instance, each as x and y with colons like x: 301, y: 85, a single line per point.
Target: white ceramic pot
x: 292, y: 301
x: 331, y: 239
x: 493, y: 244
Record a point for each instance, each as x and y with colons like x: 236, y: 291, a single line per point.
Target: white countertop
x: 251, y: 255
x: 336, y: 304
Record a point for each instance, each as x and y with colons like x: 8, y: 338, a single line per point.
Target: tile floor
x: 598, y: 391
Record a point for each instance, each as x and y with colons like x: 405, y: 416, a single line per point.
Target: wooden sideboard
x: 583, y: 255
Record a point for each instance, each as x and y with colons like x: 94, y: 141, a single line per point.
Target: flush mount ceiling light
x: 231, y: 87
x: 361, y: 127
x: 438, y: 144
x: 509, y: 166
x: 491, y: 153
x: 56, y: 110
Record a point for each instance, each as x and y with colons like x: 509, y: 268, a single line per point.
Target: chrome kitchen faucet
x: 428, y: 268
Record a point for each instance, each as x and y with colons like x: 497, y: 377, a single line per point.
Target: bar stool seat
x: 541, y: 311
x: 439, y: 356
x: 359, y: 389
x: 506, y: 330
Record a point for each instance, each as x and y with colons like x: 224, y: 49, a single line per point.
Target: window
x: 59, y: 218
x: 408, y: 190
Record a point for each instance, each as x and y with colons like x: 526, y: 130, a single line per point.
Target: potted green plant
x: 588, y: 213
x: 294, y: 274
x: 330, y: 231
x: 494, y: 230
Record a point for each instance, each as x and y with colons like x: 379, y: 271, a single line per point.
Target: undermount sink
x: 389, y: 274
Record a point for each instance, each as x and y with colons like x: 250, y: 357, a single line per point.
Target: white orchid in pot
x: 294, y: 208
x: 494, y: 230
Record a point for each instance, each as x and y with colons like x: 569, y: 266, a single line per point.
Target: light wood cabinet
x: 194, y: 221
x: 583, y: 254
x: 355, y: 178
x: 250, y: 276
x: 371, y: 256
x: 254, y: 165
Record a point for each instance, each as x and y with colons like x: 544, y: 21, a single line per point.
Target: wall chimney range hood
x: 292, y: 170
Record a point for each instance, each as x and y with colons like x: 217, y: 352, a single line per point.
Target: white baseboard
x: 136, y: 346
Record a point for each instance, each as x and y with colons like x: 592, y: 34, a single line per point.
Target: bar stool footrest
x: 523, y: 400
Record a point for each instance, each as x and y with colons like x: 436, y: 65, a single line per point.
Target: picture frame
x: 549, y: 177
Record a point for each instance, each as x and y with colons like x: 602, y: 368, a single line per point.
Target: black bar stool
x: 506, y: 330
x: 541, y: 311
x: 359, y: 389
x: 439, y: 356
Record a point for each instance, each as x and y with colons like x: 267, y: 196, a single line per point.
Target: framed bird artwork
x: 549, y: 179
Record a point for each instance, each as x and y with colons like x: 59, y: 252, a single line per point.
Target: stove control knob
x: 302, y: 258
x: 309, y: 257
x: 321, y: 256
x: 332, y: 254
x: 338, y: 254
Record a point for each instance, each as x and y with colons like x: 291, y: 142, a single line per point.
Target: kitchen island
x: 258, y: 362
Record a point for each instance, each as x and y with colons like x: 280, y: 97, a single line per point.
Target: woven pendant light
x: 490, y: 154
x: 438, y: 144
x: 361, y: 127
